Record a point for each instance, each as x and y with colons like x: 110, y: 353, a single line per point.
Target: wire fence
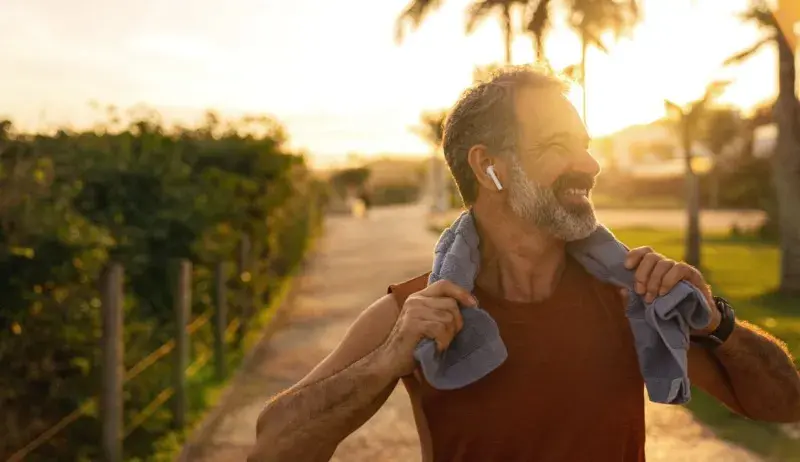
x: 115, y: 377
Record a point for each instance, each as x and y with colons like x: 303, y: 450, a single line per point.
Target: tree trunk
x: 692, y: 255
x: 508, y: 31
x: 538, y: 49
x: 713, y: 186
x: 584, y: 45
x: 786, y: 170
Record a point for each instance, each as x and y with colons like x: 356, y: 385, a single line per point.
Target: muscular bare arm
x: 310, y: 419
x: 752, y: 373
x: 308, y: 423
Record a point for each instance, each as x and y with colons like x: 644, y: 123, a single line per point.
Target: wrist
x: 715, y: 318
x: 725, y: 323
x: 384, y: 364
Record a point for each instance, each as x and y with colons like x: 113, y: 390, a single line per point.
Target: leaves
x: 719, y: 128
x: 695, y: 109
x: 760, y: 13
x: 413, y: 15
x: 538, y: 23
x: 748, y: 52
x: 431, y: 127
x: 480, y: 9
x: 673, y: 109
x: 144, y: 196
x: 591, y: 18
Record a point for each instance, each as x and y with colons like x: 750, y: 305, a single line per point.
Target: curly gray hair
x: 484, y: 114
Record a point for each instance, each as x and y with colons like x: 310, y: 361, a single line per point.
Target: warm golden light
x: 343, y: 89
x: 788, y: 16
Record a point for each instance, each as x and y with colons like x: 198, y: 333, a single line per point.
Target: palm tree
x: 537, y: 22
x: 413, y: 16
x: 688, y: 119
x: 431, y: 127
x: 478, y: 11
x: 418, y: 10
x: 589, y: 19
x: 720, y: 129
x: 785, y: 161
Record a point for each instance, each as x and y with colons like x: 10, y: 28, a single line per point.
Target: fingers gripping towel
x: 477, y: 350
x: 660, y: 329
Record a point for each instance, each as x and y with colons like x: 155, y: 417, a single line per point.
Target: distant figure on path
x: 363, y: 195
x: 571, y: 389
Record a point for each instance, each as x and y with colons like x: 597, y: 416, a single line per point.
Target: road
x: 354, y: 263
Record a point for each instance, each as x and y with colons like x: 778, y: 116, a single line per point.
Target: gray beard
x: 540, y: 206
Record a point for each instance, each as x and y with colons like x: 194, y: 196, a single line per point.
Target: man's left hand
x: 656, y: 275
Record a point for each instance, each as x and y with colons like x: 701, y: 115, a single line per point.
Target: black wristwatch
x: 723, y: 330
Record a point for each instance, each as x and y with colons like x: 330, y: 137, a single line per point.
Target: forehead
x: 544, y: 113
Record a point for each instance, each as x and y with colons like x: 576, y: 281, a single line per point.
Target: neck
x: 519, y: 261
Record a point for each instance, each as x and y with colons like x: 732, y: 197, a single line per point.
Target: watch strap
x: 724, y: 329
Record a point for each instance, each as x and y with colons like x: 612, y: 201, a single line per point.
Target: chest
x: 581, y: 334
x: 571, y: 359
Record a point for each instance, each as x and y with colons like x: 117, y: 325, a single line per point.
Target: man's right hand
x: 430, y: 313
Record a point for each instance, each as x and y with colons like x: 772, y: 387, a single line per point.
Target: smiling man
x: 571, y: 388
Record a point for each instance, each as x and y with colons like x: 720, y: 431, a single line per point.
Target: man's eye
x: 559, y: 150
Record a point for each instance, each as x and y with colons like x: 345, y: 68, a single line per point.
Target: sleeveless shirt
x: 570, y: 390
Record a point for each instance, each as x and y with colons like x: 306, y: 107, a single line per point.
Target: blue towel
x: 660, y: 329
x: 477, y: 349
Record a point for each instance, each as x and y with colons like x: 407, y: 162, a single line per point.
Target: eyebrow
x: 565, y: 136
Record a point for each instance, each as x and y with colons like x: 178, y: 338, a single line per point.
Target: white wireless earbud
x: 493, y: 176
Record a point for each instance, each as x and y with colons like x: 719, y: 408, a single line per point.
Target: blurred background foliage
x: 142, y: 195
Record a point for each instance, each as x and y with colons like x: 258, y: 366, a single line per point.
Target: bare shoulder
x: 367, y: 333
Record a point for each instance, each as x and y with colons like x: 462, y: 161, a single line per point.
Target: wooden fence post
x: 246, y: 282
x: 183, y: 303
x: 220, y: 319
x: 113, y: 367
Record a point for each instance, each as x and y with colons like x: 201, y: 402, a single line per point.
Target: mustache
x: 573, y: 180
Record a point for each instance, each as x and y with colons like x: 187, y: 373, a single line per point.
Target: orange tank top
x: 570, y: 390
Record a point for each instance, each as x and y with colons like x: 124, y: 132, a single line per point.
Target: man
x: 570, y: 389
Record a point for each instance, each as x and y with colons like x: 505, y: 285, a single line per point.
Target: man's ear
x: 480, y: 160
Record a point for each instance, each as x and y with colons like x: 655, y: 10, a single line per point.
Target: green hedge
x: 143, y: 196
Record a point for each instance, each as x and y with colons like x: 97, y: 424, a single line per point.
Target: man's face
x: 553, y: 174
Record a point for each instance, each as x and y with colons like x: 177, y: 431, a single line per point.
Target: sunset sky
x: 331, y: 72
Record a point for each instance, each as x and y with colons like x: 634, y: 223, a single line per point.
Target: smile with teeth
x: 575, y: 192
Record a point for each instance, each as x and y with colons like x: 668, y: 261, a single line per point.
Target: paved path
x: 355, y: 261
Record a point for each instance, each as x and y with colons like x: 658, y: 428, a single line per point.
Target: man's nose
x: 584, y: 162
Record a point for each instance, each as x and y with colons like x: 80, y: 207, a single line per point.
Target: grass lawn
x: 745, y: 272
x: 608, y: 201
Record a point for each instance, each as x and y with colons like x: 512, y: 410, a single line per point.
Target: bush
x: 395, y: 193
x: 144, y: 197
